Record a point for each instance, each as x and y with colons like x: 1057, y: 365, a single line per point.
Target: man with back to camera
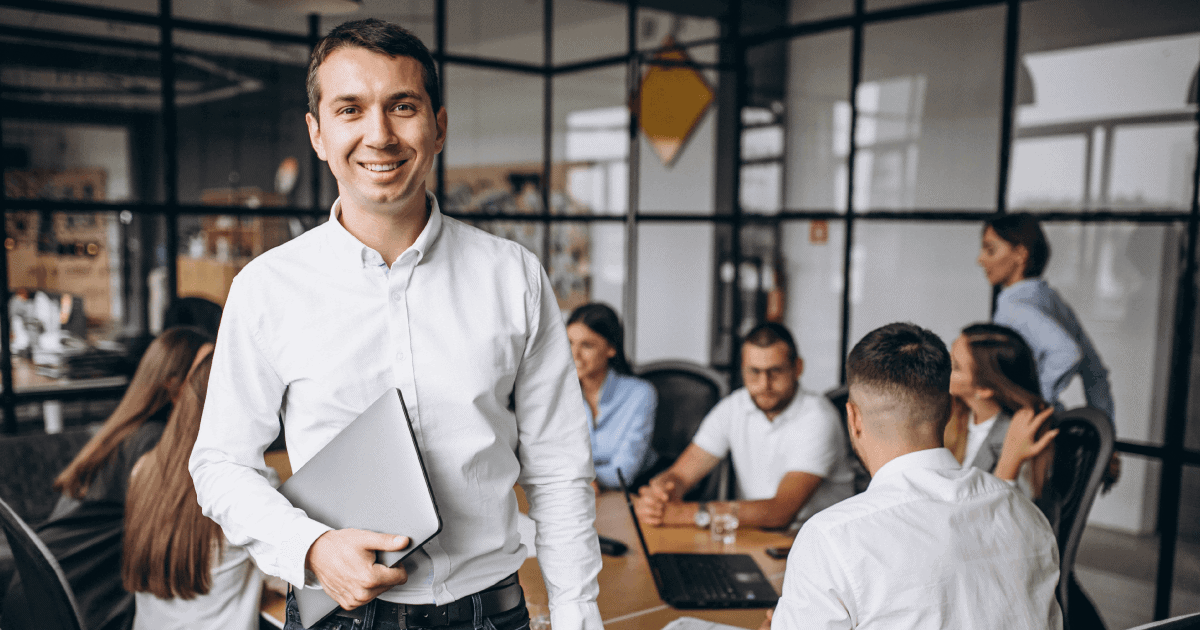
x: 929, y: 544
x: 788, y: 445
x: 390, y: 293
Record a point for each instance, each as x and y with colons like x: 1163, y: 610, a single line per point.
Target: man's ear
x: 799, y: 367
x: 854, y: 421
x: 441, y: 121
x: 314, y: 135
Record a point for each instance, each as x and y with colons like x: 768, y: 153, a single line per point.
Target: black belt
x: 504, y: 596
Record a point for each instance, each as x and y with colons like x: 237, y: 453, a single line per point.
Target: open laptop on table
x: 704, y: 580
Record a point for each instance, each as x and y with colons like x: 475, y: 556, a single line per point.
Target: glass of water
x: 724, y: 522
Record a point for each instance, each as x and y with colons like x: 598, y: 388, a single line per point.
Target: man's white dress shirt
x: 807, y: 436
x: 928, y: 545
x: 467, y: 326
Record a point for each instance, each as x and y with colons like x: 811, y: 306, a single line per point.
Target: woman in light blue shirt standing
x: 1013, y: 254
x: 620, y: 406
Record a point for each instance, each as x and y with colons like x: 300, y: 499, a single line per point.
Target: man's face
x: 770, y: 376
x: 377, y: 129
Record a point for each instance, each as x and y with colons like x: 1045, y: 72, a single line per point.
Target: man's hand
x: 1022, y: 442
x: 651, y: 501
x: 344, y: 562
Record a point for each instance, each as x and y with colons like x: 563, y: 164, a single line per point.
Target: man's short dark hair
x: 908, y: 364
x: 768, y: 334
x: 376, y: 36
x: 1022, y: 228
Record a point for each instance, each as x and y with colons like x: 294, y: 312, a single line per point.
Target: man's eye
x: 403, y: 107
x: 348, y: 110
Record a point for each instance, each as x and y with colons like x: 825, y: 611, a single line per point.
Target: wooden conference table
x: 628, y: 599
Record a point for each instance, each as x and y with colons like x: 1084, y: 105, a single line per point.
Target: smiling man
x: 787, y: 444
x: 392, y: 294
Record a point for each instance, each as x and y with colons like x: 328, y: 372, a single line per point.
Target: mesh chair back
x: 28, y: 466
x: 686, y: 393
x: 48, y: 596
x: 1081, y: 453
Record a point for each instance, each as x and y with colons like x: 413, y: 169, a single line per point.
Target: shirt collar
x: 352, y: 254
x: 608, y: 389
x: 928, y: 459
x: 1026, y: 284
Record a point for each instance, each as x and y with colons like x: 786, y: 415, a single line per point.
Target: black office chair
x: 28, y: 466
x: 1182, y: 622
x: 686, y: 393
x: 838, y: 396
x: 47, y: 595
x: 1081, y: 453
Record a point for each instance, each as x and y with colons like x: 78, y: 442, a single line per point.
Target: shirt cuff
x: 575, y: 616
x: 295, y: 552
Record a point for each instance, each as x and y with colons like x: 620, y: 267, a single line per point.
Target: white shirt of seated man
x: 928, y: 544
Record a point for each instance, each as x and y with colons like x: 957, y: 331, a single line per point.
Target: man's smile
x: 382, y: 168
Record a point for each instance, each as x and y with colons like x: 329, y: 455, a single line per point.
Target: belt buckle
x: 429, y: 617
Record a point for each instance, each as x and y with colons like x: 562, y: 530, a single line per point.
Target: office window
x: 903, y: 271
x: 249, y: 14
x: 512, y: 31
x: 811, y: 285
x: 241, y: 131
x: 590, y: 146
x: 818, y: 80
x: 493, y: 154
x: 589, y: 29
x: 674, y: 291
x: 587, y: 263
x: 1107, y: 125
x: 929, y: 122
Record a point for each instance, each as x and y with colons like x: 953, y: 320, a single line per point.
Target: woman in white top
x: 999, y: 414
x: 182, y: 571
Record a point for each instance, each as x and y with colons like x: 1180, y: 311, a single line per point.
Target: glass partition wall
x: 698, y: 166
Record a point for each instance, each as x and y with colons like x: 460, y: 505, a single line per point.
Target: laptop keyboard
x: 706, y: 577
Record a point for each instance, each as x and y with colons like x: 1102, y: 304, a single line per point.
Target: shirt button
x: 397, y: 296
x: 400, y: 355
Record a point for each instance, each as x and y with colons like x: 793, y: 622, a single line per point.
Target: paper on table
x: 692, y: 623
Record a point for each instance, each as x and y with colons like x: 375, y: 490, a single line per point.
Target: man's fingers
x: 382, y: 542
x: 1042, y: 417
x: 387, y: 577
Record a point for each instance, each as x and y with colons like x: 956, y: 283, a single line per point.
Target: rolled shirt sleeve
x: 556, y: 465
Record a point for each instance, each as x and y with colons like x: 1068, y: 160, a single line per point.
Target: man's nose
x: 380, y: 133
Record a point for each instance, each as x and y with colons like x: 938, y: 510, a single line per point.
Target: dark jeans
x: 515, y: 619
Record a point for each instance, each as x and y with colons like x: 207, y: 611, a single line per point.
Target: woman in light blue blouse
x: 620, y: 406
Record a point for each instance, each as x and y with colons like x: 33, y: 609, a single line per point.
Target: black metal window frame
x: 733, y: 44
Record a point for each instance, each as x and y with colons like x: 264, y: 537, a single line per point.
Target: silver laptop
x: 370, y: 477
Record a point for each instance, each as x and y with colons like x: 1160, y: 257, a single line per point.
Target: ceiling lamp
x: 323, y: 7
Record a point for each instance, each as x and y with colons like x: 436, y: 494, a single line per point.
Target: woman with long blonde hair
x: 182, y: 571
x: 85, y: 530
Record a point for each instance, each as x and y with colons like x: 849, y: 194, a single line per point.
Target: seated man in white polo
x: 787, y: 444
